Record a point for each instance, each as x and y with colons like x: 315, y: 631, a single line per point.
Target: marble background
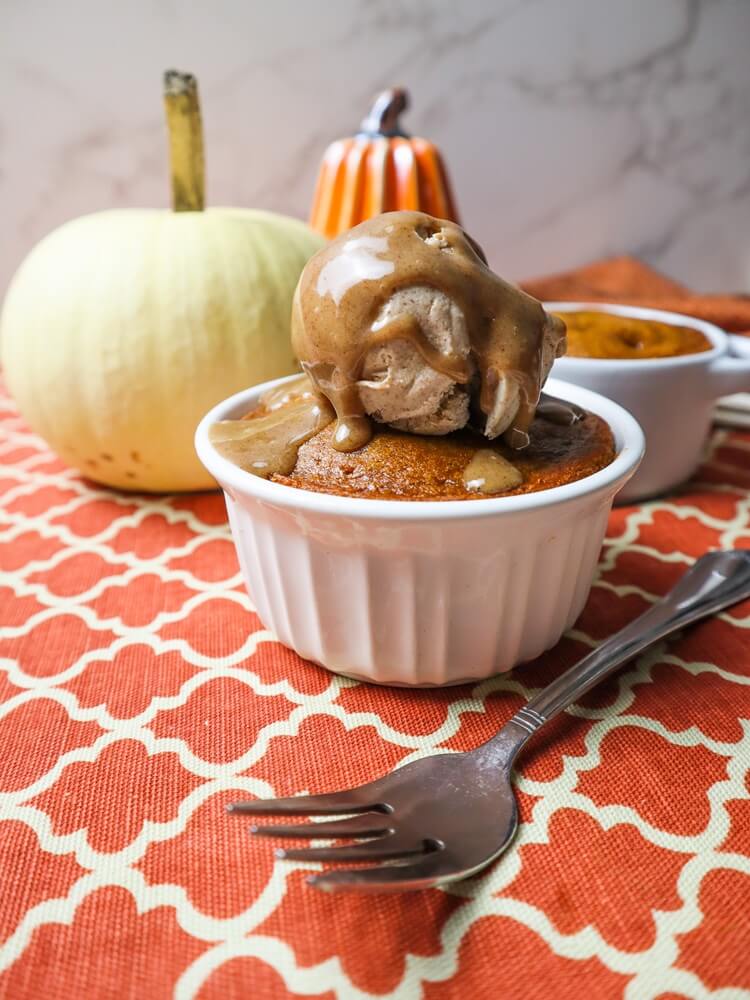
x: 572, y: 129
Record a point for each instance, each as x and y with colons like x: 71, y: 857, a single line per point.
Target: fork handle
x: 715, y: 581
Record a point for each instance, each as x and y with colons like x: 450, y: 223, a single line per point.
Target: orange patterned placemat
x: 139, y: 692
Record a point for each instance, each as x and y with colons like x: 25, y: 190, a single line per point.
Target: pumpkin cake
x: 565, y: 444
x: 423, y: 377
x: 395, y: 465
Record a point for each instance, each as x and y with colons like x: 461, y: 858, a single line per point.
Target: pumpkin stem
x: 383, y: 116
x: 185, y: 141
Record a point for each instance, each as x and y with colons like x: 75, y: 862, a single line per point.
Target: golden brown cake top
x: 289, y: 438
x: 398, y: 466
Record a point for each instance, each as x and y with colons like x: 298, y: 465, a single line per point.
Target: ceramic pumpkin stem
x: 185, y: 141
x: 383, y: 116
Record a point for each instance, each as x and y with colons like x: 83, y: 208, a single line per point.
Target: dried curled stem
x: 383, y: 118
x: 185, y: 141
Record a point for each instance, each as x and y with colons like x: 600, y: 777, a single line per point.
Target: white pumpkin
x: 121, y: 329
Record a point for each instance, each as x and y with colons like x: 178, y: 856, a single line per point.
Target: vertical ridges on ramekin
x: 521, y: 607
x: 269, y: 560
x: 241, y: 523
x: 417, y: 603
x: 592, y: 531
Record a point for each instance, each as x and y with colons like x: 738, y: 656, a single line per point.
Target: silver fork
x: 445, y: 817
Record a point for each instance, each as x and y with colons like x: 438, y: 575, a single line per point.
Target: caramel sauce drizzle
x: 559, y: 411
x: 489, y: 472
x: 267, y: 444
x: 345, y: 286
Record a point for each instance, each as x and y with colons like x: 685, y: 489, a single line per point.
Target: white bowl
x: 671, y: 398
x: 416, y: 592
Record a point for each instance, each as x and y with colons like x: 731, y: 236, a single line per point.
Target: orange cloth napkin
x: 625, y: 279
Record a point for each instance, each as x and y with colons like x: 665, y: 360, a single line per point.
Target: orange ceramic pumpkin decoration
x: 380, y: 169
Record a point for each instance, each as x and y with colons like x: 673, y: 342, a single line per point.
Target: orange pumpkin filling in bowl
x: 604, y: 335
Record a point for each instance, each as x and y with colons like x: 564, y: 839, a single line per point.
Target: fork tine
x: 383, y: 849
x: 363, y: 825
x: 427, y: 871
x: 307, y: 805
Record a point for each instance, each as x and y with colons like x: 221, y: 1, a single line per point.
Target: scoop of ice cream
x: 397, y: 387
x: 401, y: 321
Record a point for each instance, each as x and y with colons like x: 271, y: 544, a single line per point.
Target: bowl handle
x: 731, y: 372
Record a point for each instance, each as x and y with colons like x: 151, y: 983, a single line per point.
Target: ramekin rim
x: 718, y: 337
x: 233, y: 479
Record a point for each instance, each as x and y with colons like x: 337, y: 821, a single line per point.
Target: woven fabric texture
x: 139, y: 693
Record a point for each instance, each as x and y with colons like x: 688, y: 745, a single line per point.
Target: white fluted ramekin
x: 415, y: 592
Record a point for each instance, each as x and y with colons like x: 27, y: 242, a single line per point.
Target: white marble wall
x: 573, y: 128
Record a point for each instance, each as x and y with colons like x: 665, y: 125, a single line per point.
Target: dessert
x: 594, y: 334
x: 400, y: 321
x: 422, y: 377
x: 396, y: 592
